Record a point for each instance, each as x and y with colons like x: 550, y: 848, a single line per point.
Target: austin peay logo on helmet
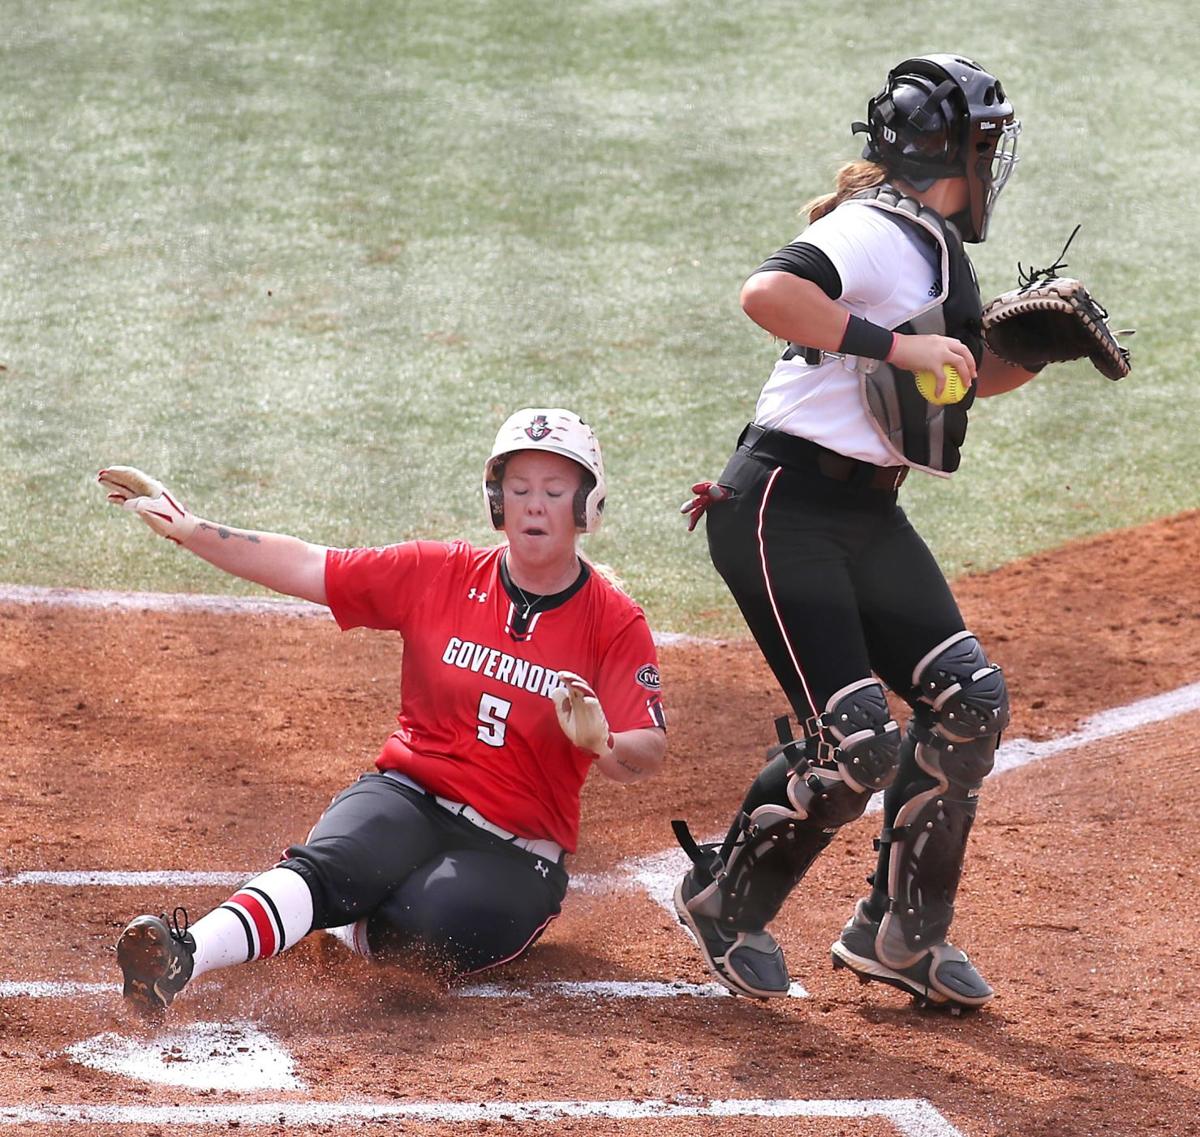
x: 539, y: 428
x: 648, y: 677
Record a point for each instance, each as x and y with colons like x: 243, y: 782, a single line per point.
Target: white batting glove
x: 150, y: 500
x: 580, y: 714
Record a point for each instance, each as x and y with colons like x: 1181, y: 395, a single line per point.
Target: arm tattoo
x: 224, y: 532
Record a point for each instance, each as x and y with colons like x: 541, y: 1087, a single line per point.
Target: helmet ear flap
x: 495, y: 502
x: 493, y: 491
x: 587, y: 484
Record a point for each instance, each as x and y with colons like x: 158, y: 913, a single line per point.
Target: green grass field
x: 300, y: 260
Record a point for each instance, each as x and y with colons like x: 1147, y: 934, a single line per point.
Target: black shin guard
x: 807, y: 791
x: 785, y: 822
x: 949, y: 750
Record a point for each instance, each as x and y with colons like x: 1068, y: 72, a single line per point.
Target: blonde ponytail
x: 852, y: 178
x: 607, y: 572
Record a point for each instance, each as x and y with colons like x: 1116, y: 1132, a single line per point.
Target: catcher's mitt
x: 1050, y: 319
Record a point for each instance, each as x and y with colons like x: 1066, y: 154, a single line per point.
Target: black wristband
x: 866, y: 339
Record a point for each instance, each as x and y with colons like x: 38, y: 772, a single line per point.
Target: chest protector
x: 922, y: 434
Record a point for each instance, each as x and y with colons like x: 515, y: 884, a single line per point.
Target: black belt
x: 802, y: 454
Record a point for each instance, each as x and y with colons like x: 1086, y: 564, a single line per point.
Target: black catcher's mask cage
x: 943, y: 116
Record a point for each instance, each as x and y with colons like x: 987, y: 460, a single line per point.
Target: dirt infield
x: 149, y: 740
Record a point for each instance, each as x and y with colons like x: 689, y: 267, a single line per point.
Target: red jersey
x: 477, y: 723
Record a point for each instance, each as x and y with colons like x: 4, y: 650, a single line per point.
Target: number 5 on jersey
x: 493, y: 719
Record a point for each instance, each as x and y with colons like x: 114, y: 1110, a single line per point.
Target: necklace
x: 529, y: 602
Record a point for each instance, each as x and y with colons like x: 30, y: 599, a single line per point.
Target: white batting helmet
x: 559, y: 432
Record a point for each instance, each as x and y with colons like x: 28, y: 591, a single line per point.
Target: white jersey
x: 888, y: 272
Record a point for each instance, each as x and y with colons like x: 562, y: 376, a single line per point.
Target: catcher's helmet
x: 559, y: 432
x: 943, y: 116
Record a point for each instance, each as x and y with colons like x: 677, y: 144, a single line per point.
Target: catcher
x: 524, y: 667
x: 886, y: 349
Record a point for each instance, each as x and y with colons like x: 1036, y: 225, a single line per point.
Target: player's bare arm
x: 635, y: 756
x: 284, y: 564
x: 798, y: 311
x: 997, y: 377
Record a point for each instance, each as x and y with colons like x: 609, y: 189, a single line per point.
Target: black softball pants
x: 431, y: 884
x: 833, y: 581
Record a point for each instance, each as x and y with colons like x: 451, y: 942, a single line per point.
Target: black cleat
x: 156, y: 960
x: 943, y: 978
x: 748, y: 963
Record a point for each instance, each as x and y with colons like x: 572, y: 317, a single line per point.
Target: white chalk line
x: 54, y: 989
x: 1107, y: 724
x: 911, y: 1117
x: 180, y: 878
x: 1011, y: 755
x: 657, y: 873
x: 236, y: 1057
x: 101, y: 599
x: 608, y: 989
x: 568, y: 989
x: 157, y: 601
x: 155, y: 878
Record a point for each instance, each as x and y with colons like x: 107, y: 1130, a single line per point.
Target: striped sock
x: 267, y: 915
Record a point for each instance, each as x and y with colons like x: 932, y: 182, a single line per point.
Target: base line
x: 912, y: 1117
x: 1107, y: 724
x: 216, y: 605
x: 561, y: 988
x: 658, y: 873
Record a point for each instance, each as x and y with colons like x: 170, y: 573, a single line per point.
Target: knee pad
x: 865, y: 737
x: 966, y: 695
x: 955, y: 729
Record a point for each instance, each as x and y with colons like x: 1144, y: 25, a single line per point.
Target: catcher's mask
x: 943, y: 116
x: 559, y: 432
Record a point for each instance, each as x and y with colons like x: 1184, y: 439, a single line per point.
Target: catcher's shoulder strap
x: 906, y: 209
x: 888, y: 198
x: 923, y: 435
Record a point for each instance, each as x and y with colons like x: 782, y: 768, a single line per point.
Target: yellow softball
x: 953, y: 391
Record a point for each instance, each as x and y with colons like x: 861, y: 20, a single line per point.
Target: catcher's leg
x: 900, y: 937
x: 789, y: 815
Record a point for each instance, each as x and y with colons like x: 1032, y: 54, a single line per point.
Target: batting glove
x: 150, y: 500
x: 706, y: 494
x: 580, y: 714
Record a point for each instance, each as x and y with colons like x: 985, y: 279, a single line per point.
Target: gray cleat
x: 748, y: 963
x: 943, y: 978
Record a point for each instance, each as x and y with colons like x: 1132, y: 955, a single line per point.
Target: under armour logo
x: 173, y: 969
x: 543, y: 868
x: 475, y: 594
